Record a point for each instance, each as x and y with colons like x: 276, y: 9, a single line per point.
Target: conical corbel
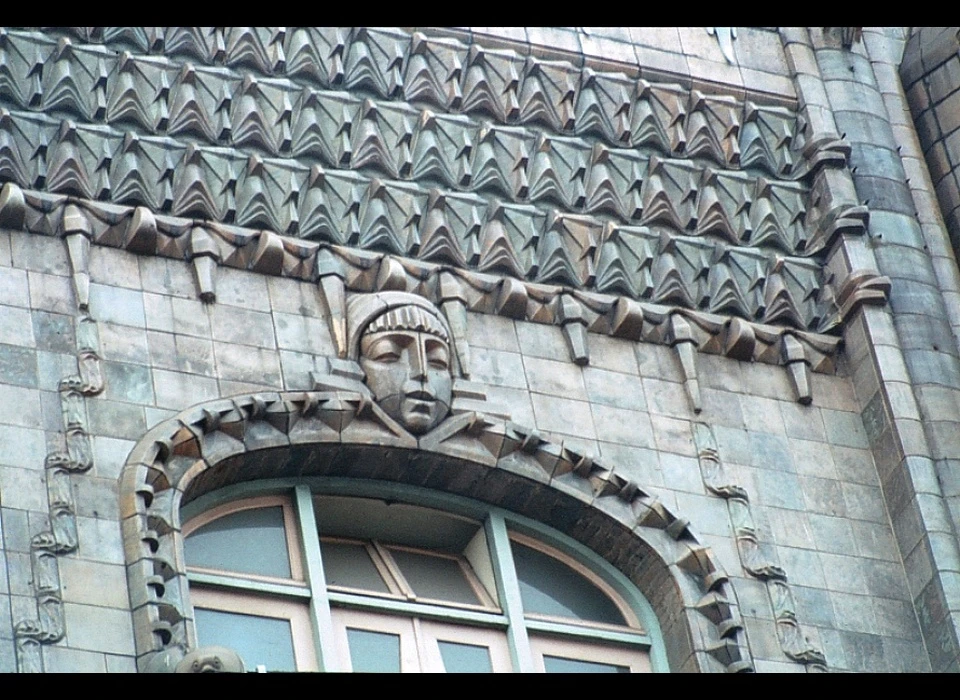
x: 453, y: 303
x: 680, y: 337
x: 205, y: 255
x: 798, y: 368
x: 333, y: 297
x: 76, y: 234
x: 574, y: 325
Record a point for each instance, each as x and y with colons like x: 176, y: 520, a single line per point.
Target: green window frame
x: 529, y: 638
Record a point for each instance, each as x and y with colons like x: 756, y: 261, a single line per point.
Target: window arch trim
x: 303, y: 434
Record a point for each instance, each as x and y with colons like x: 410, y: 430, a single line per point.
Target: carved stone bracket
x: 753, y: 558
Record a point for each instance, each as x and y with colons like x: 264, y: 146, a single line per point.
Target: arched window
x: 337, y: 580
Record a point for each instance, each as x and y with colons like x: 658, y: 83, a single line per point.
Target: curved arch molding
x: 338, y: 433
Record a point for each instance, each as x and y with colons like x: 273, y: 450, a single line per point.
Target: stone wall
x: 669, y: 251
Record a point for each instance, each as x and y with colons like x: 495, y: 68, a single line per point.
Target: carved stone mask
x: 405, y: 354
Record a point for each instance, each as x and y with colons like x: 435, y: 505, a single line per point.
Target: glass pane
x: 557, y: 664
x: 435, y: 577
x: 350, y: 565
x: 265, y: 641
x: 465, y: 658
x: 550, y: 587
x: 248, y: 542
x: 374, y: 652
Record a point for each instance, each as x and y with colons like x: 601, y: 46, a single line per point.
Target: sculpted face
x: 409, y: 374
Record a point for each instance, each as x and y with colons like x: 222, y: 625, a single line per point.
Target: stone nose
x: 418, y: 360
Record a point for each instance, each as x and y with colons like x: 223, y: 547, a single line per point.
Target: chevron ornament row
x: 103, y: 81
x: 289, y: 196
x: 544, y: 245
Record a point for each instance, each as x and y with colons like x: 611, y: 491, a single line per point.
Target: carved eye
x: 437, y: 356
x: 384, y: 350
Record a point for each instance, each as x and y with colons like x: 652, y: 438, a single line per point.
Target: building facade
x: 490, y: 348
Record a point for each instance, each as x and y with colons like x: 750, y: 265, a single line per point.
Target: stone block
x: 874, y: 540
x: 169, y: 277
x: 613, y: 388
x: 114, y: 267
x: 771, y: 452
x: 54, y: 332
x: 177, y: 390
x: 638, y: 464
x: 660, y: 38
x: 99, y: 629
x: 843, y: 573
x: 814, y: 607
x: 513, y: 402
x: 824, y: 496
x: 241, y: 326
x: 663, y: 66
x: 844, y: 428
x: 247, y: 290
x: 864, y: 502
x: 194, y: 355
x: 158, y: 313
x: 61, y: 659
x: 779, y: 489
x: 117, y: 305
x: 565, y: 416
x: 23, y: 487
x: 497, y: 368
x: 539, y: 340
x: 802, y: 422
x: 22, y: 446
x: 109, y: 456
x: 831, y: 534
x: 861, y: 651
x: 623, y: 426
x: 788, y: 528
x: 191, y: 317
x: 16, y: 327
x: 39, y: 254
x: 562, y: 379
x: 812, y: 459
x: 18, y: 366
x: 242, y: 363
x: 948, y: 113
x: 115, y: 419
x: 303, y: 334
x: 120, y: 664
x: 721, y: 408
x: 14, y: 289
x: 667, y: 399
x: 93, y: 583
x: 905, y: 656
x: 127, y: 382
x: 123, y: 343
x: 681, y: 473
x: 673, y: 435
x: 98, y: 528
x: 292, y: 296
x: 494, y: 332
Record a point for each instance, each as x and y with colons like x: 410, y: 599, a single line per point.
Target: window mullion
x: 319, y: 603
x: 508, y: 589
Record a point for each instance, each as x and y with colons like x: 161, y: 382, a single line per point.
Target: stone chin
x: 416, y: 413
